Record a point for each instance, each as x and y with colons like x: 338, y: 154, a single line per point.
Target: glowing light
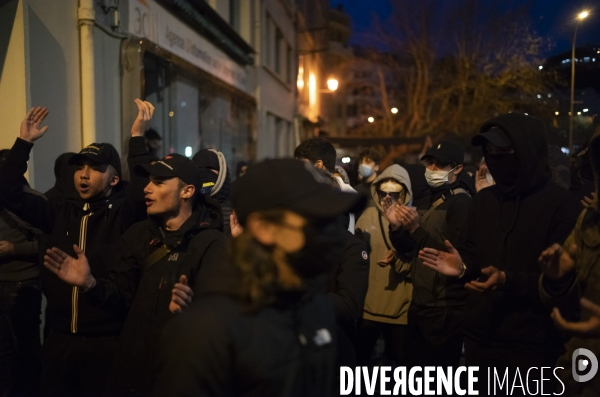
x: 394, y: 110
x: 579, y: 113
x: 346, y: 160
x: 171, y: 113
x: 332, y: 84
x: 583, y: 15
x: 300, y: 82
x: 556, y: 113
x: 312, y: 96
x: 586, y: 110
x: 541, y: 67
x: 371, y: 119
x: 188, y: 151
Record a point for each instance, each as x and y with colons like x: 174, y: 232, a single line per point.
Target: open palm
x: 30, y: 126
x: 74, y: 271
x: 446, y: 263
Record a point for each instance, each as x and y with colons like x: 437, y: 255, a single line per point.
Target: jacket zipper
x: 75, y: 293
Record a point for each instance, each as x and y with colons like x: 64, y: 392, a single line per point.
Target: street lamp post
x: 580, y: 17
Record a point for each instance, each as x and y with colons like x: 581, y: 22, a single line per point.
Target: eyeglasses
x: 393, y: 195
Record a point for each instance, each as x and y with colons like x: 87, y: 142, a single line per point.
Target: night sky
x: 549, y: 17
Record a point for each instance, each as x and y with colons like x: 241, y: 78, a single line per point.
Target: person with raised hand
x: 79, y: 347
x: 570, y: 287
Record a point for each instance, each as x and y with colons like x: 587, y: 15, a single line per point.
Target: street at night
x: 299, y: 198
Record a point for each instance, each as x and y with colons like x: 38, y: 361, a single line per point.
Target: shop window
x: 194, y: 111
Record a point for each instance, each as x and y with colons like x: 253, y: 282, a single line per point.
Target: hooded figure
x: 582, y: 281
x: 64, y: 186
x: 390, y: 290
x: 216, y: 182
x: 509, y: 225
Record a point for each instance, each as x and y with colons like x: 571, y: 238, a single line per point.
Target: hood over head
x: 528, y: 135
x: 397, y: 173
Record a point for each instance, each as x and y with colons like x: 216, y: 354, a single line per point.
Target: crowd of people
x: 182, y: 282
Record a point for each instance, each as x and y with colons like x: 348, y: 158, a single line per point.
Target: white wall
x: 39, y: 60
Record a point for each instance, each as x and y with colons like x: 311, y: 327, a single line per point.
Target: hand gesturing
x: 145, y: 112
x: 30, y: 126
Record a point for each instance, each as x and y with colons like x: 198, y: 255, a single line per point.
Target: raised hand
x: 481, y: 181
x: 589, y: 328
x: 446, y: 263
x: 74, y: 271
x: 495, y: 278
x: 556, y: 262
x: 6, y: 248
x: 30, y: 126
x: 391, y: 213
x: 587, y: 202
x: 181, y: 296
x: 409, y: 218
x: 145, y: 112
x: 234, y: 225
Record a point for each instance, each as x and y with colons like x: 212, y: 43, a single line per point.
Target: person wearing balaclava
x: 368, y: 167
x: 436, y: 313
x: 509, y: 224
x: 390, y: 289
x: 217, y: 182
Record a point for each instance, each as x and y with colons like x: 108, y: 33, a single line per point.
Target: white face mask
x: 365, y: 171
x: 437, y: 178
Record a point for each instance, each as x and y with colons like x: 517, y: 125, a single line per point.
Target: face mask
x: 365, y: 171
x: 322, y: 248
x: 437, y: 178
x: 505, y: 169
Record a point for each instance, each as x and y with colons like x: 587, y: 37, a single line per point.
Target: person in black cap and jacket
x: 436, y: 313
x: 508, y: 225
x: 180, y: 242
x: 79, y: 346
x: 274, y: 335
x: 216, y: 181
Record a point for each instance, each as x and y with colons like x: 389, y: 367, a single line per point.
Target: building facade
x: 221, y: 73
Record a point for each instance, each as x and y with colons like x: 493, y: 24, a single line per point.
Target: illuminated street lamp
x: 332, y: 84
x: 371, y: 119
x: 580, y: 17
x: 394, y: 110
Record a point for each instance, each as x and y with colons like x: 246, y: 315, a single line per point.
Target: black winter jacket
x: 346, y: 287
x: 95, y: 226
x: 438, y: 301
x: 510, y: 232
x: 215, y: 348
x: 144, y: 290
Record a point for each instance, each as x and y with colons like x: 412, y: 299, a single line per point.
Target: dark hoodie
x: 143, y: 291
x: 509, y: 228
x: 95, y: 225
x: 64, y: 186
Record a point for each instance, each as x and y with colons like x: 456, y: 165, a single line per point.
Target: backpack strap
x: 155, y: 256
x: 438, y: 202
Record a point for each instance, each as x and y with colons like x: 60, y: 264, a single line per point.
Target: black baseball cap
x: 101, y: 153
x: 293, y: 185
x: 495, y: 135
x: 446, y: 152
x: 173, y: 166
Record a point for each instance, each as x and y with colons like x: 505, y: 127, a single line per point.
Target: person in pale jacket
x: 390, y: 288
